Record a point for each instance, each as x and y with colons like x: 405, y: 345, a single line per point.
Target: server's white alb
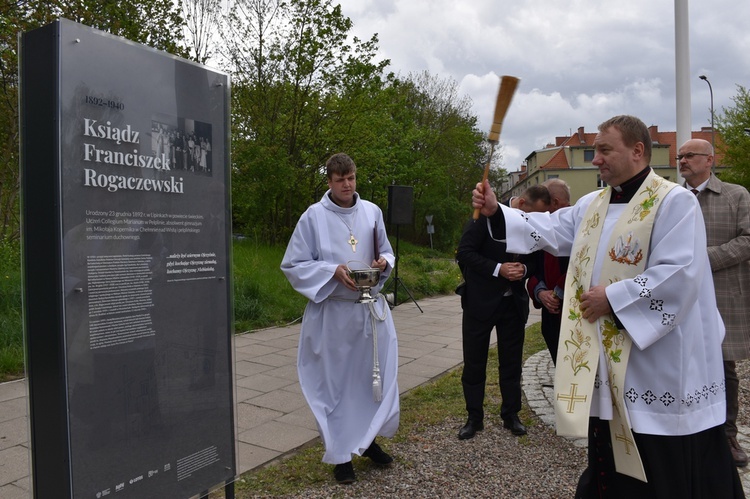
x: 335, y: 358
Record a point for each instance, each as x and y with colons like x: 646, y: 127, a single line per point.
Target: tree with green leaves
x: 439, y: 151
x: 734, y: 127
x: 13, y: 18
x: 202, y: 23
x: 290, y: 62
x: 303, y: 89
x: 156, y: 23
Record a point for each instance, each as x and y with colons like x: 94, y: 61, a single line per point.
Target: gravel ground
x: 434, y: 463
x: 743, y: 372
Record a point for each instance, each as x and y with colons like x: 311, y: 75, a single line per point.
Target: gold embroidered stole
x: 578, y: 355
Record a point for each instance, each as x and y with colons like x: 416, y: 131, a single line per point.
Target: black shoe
x: 514, y: 425
x: 344, y: 473
x: 738, y: 455
x: 377, y: 455
x: 470, y: 429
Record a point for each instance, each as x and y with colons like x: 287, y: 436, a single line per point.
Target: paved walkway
x: 273, y: 419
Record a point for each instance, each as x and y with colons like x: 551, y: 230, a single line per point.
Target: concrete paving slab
x: 287, y: 371
x: 408, y: 382
x: 453, y: 354
x: 284, y: 343
x: 12, y: 491
x: 255, y: 350
x: 417, y: 349
x: 13, y: 408
x: 253, y: 456
x: 12, y: 390
x: 301, y: 417
x: 295, y: 388
x: 278, y: 436
x: 243, y: 394
x: 249, y: 368
x: 441, y: 363
x: 263, y: 383
x: 14, y: 432
x: 279, y: 400
x: 244, y: 340
x: 290, y: 352
x: 14, y: 464
x: 419, y: 368
x: 250, y: 416
x: 272, y: 359
x: 273, y: 333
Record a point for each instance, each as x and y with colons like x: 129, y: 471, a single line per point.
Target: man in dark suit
x: 546, y: 286
x: 494, y: 296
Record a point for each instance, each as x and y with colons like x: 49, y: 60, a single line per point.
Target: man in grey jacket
x: 726, y: 211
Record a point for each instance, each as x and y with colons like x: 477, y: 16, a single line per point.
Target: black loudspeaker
x: 400, y: 205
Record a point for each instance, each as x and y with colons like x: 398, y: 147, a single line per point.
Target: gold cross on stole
x: 622, y: 437
x: 572, y: 397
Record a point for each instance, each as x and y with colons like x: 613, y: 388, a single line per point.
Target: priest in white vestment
x: 652, y: 329
x: 350, y: 387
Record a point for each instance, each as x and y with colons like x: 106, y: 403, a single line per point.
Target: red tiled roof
x: 558, y: 160
x: 577, y: 139
x: 670, y: 139
x: 580, y: 138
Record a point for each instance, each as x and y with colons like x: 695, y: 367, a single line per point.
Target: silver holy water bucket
x: 365, y: 279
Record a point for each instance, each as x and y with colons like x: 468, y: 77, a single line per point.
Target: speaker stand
x: 397, y: 281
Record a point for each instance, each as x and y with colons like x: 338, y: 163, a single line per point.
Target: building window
x: 599, y: 182
x: 588, y: 155
x: 552, y: 176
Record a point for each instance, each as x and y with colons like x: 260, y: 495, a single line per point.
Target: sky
x: 580, y: 62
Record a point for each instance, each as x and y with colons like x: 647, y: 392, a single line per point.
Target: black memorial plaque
x: 126, y: 267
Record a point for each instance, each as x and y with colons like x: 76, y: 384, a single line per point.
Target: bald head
x: 695, y: 158
x: 559, y: 193
x: 534, y: 198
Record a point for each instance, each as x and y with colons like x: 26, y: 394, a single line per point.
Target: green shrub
x: 11, y: 322
x: 262, y: 295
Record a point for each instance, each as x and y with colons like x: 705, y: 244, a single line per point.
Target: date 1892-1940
x: 98, y: 101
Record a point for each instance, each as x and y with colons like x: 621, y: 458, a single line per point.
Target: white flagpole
x: 682, y: 76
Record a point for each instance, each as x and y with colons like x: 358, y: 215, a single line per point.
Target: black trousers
x: 551, y: 332
x: 509, y: 323
x: 732, y: 383
x: 697, y: 466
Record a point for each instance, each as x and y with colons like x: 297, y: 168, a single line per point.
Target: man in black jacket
x: 494, y: 296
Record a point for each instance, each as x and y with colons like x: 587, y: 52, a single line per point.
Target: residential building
x: 569, y: 159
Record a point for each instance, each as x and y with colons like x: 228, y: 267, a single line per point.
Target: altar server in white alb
x: 639, y: 364
x: 351, y: 387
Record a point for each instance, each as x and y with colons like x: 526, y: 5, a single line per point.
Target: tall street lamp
x: 713, y: 145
